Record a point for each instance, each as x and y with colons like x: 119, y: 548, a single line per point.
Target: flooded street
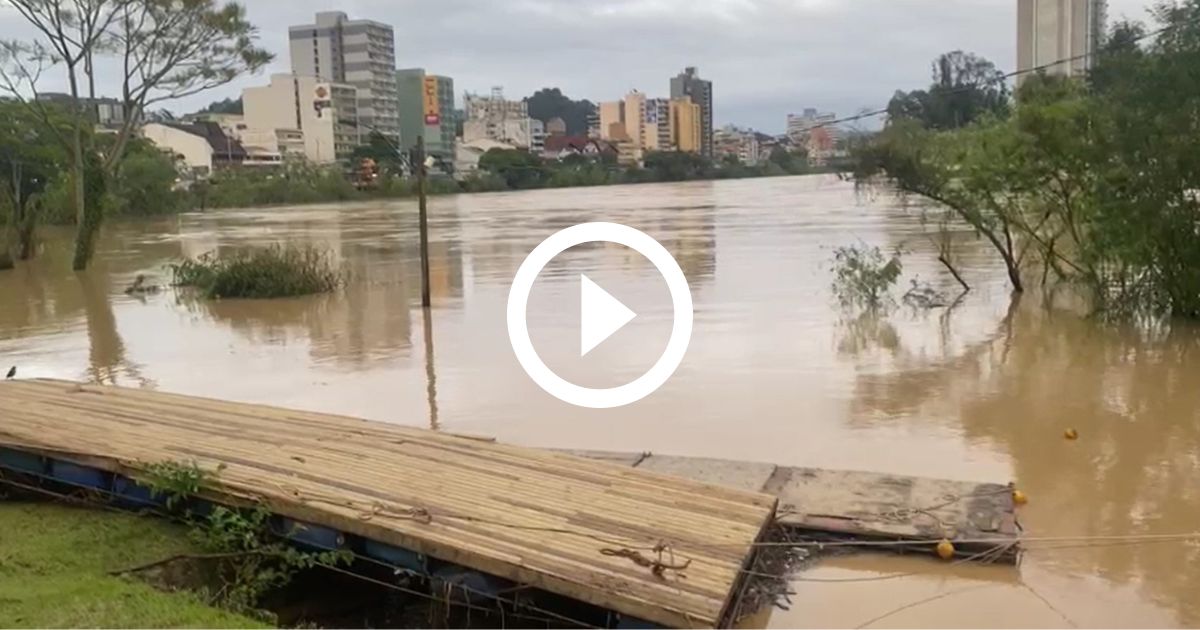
x: 775, y: 371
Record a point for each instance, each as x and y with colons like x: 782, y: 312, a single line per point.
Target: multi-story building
x: 361, y: 53
x: 656, y: 125
x: 634, y: 116
x: 686, y: 125
x: 303, y: 111
x: 612, y: 120
x: 497, y: 119
x: 1060, y: 36
x: 739, y: 143
x: 688, y: 84
x: 437, y: 127
x: 817, y: 132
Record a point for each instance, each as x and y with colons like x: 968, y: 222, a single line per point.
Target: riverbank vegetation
x: 57, y: 571
x: 272, y: 272
x: 1093, y: 183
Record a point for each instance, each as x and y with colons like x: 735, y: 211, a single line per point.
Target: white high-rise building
x: 361, y: 53
x: 1060, y: 35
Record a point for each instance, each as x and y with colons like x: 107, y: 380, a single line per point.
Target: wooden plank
x: 539, y: 518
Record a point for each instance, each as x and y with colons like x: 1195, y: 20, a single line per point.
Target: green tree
x: 70, y: 35
x: 223, y: 106
x: 29, y: 159
x: 788, y: 161
x: 549, y: 103
x: 519, y: 169
x: 1094, y: 183
x: 145, y: 185
x: 166, y: 49
x: 675, y: 166
x: 965, y: 88
x: 383, y: 152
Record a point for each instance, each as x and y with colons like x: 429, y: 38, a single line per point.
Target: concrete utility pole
x: 424, y: 220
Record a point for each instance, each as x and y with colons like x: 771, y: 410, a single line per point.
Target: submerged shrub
x: 863, y: 277
x: 276, y: 271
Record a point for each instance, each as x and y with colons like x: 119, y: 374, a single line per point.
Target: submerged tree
x: 166, y: 49
x: 71, y: 33
x: 1092, y: 182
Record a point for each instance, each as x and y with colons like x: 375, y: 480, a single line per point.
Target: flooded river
x: 775, y: 371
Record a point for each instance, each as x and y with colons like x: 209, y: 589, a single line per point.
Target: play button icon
x: 601, y: 315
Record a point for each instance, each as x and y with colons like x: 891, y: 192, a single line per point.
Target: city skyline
x: 768, y: 58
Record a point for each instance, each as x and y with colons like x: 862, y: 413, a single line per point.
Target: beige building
x: 634, y: 117
x: 361, y: 53
x: 302, y: 113
x: 686, y: 125
x: 612, y: 120
x: 1060, y: 36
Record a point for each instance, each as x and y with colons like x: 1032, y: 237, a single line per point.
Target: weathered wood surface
x: 533, y: 516
x: 860, y: 504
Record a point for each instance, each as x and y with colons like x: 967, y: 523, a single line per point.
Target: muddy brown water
x: 775, y: 372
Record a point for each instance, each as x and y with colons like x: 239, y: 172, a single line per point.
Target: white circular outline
x: 518, y: 329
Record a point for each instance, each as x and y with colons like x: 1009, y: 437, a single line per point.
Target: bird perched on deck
x: 12, y: 373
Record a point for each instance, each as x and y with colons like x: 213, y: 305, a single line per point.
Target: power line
x: 1011, y: 75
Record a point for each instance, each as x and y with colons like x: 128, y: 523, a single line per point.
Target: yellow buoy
x: 945, y: 549
x: 1019, y: 498
x: 1071, y: 434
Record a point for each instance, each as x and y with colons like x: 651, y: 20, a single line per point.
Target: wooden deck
x: 548, y: 520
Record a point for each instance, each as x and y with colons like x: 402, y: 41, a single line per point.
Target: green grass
x: 54, y: 564
x: 272, y: 272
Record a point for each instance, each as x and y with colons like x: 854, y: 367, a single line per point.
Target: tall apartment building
x: 688, y: 84
x: 634, y: 117
x: 687, y: 123
x: 411, y: 85
x: 1060, y: 35
x: 656, y: 125
x: 302, y: 114
x: 361, y: 53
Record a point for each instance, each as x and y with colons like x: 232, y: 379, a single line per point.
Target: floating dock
x: 644, y: 539
x: 575, y: 527
x: 980, y: 518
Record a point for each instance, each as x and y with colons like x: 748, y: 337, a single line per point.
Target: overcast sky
x: 766, y: 58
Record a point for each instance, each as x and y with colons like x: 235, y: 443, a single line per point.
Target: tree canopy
x: 965, y: 87
x: 549, y: 103
x: 223, y: 106
x: 161, y: 49
x: 1091, y: 182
